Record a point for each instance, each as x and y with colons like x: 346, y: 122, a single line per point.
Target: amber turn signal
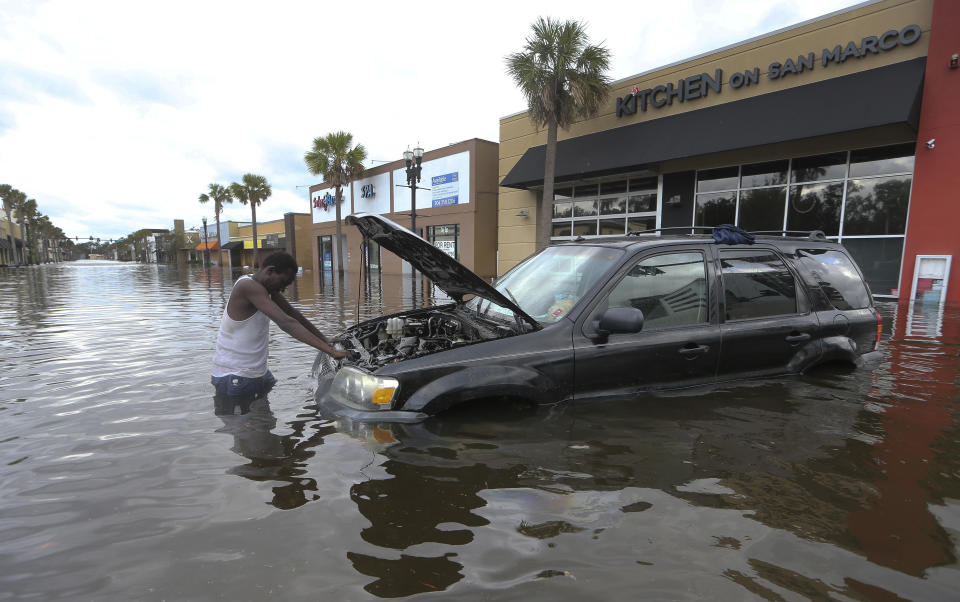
x: 383, y: 396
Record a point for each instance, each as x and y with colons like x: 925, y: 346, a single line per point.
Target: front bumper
x: 332, y: 408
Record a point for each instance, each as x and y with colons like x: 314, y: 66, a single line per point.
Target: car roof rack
x: 811, y: 234
x: 671, y: 229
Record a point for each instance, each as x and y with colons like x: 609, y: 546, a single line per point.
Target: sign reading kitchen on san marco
x: 701, y: 85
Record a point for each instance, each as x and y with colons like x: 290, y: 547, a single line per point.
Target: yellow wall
x: 517, y: 235
x: 263, y: 228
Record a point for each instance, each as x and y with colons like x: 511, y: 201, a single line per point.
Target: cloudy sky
x: 116, y: 115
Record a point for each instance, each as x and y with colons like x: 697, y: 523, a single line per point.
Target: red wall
x: 934, y: 226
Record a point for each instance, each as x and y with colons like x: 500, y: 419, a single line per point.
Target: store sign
x: 447, y: 246
x: 367, y: 191
x: 445, y: 189
x: 324, y: 202
x: 699, y: 86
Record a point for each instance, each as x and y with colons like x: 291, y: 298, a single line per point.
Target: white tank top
x: 242, y: 345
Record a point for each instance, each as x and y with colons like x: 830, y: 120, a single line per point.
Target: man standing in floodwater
x: 240, y: 364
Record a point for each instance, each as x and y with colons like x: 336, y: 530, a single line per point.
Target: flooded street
x: 119, y: 482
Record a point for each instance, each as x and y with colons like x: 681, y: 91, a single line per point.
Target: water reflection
x: 119, y: 482
x: 271, y: 457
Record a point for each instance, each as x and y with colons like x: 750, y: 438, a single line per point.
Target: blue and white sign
x: 445, y: 189
x: 442, y: 177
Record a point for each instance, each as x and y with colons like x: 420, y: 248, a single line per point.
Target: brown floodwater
x: 119, y: 482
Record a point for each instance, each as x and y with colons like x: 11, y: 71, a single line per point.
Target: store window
x: 446, y: 238
x: 859, y: 198
x: 325, y: 249
x: 611, y: 208
x: 372, y: 255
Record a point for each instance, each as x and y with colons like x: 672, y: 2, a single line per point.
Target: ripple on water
x: 117, y: 481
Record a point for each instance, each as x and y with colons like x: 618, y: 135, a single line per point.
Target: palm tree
x: 27, y: 212
x: 253, y: 191
x: 9, y: 194
x: 563, y: 77
x: 340, y: 164
x: 219, y: 195
x: 45, y: 227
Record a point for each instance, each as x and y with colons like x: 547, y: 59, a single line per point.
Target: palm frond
x: 561, y: 75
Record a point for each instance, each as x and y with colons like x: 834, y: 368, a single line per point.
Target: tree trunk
x: 13, y: 244
x: 216, y: 210
x: 256, y: 242
x: 545, y: 210
x: 24, y: 258
x: 27, y: 247
x: 336, y: 203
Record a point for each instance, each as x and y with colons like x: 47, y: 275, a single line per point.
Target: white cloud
x: 116, y: 117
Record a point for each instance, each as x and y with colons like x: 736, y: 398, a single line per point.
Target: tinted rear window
x: 837, y: 277
x: 756, y: 284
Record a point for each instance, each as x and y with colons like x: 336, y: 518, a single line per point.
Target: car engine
x: 405, y: 336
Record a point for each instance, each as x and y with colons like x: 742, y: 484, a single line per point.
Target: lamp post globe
x: 413, y: 159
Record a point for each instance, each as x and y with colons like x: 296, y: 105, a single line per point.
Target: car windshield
x: 547, y: 285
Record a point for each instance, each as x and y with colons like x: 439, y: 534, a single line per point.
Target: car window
x: 837, y: 276
x: 670, y: 290
x: 547, y: 285
x: 756, y: 284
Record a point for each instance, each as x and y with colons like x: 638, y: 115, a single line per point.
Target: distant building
x: 290, y: 234
x: 456, y: 209
x: 6, y: 254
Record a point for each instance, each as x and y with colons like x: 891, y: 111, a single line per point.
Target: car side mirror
x: 618, y: 320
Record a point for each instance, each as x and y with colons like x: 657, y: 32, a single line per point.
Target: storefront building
x: 845, y: 124
x: 290, y: 234
x: 456, y: 210
x: 7, y: 255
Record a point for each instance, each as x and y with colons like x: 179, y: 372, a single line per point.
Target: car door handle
x: 797, y: 337
x: 692, y: 352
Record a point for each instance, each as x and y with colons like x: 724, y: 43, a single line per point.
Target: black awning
x: 876, y: 97
x: 230, y: 246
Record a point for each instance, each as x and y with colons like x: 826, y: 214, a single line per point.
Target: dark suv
x: 601, y: 318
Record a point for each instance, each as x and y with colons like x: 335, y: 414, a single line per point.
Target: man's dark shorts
x: 241, y: 387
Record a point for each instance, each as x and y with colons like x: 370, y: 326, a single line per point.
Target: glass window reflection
x: 815, y: 207
x: 880, y: 161
x: 640, y: 203
x: 879, y: 259
x: 772, y: 173
x: 561, y: 210
x: 585, y: 228
x: 613, y: 206
x: 610, y: 227
x: 762, y: 209
x: 725, y: 178
x: 877, y: 206
x: 821, y: 167
x: 584, y: 208
x: 715, y: 209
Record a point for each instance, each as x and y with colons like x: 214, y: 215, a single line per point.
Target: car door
x: 679, y: 342
x: 767, y: 326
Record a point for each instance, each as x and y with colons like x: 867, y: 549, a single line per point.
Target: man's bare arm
x: 292, y: 311
x: 257, y: 295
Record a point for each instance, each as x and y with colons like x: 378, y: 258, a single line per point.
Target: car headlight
x: 361, y: 390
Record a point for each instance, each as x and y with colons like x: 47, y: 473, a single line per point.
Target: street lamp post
x: 413, y: 159
x: 206, y: 244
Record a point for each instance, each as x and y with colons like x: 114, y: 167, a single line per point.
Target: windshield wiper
x: 516, y: 316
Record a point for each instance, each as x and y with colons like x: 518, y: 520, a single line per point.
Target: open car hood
x: 451, y: 276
